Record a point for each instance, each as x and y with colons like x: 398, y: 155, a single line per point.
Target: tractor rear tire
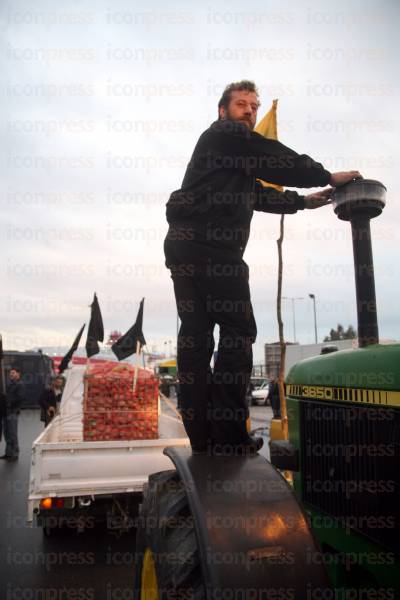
x: 167, y: 562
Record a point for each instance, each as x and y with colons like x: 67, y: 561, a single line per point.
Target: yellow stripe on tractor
x: 353, y: 395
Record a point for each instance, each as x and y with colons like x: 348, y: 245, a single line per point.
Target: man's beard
x: 247, y: 122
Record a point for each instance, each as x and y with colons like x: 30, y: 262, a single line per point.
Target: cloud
x: 102, y: 108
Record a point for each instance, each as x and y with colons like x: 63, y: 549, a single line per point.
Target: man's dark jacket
x: 273, y: 397
x: 48, y: 399
x: 14, y: 396
x: 219, y: 191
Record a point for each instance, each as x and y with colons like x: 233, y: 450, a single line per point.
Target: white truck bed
x: 63, y: 465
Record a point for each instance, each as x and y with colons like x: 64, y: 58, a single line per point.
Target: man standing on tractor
x: 209, y: 224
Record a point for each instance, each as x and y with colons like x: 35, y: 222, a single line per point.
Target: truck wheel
x: 167, y: 563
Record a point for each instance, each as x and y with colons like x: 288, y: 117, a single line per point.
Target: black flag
x: 68, y: 356
x: 96, y: 329
x: 126, y: 345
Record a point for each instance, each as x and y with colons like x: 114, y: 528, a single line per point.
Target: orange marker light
x: 46, y: 503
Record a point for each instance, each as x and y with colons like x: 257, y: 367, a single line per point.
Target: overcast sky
x: 102, y: 104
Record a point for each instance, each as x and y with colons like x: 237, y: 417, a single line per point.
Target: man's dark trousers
x: 11, y: 434
x: 211, y: 287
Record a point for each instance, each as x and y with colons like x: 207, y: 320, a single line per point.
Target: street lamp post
x: 294, y: 312
x: 312, y: 296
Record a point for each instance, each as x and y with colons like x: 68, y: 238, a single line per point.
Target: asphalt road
x: 94, y: 565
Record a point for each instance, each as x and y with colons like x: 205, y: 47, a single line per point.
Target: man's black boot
x: 255, y: 444
x: 248, y: 448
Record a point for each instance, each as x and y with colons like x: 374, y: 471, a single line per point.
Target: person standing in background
x: 273, y: 396
x: 50, y: 400
x: 13, y: 401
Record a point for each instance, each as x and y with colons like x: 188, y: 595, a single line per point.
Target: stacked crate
x: 115, y: 409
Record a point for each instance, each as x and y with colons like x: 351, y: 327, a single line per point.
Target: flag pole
x: 86, y: 384
x: 135, y: 376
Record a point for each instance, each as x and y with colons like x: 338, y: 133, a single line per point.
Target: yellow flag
x: 269, y: 129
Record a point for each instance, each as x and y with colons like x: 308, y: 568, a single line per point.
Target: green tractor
x: 344, y: 431
x: 233, y: 528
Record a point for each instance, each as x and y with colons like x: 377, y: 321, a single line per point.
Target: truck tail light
x: 46, y: 503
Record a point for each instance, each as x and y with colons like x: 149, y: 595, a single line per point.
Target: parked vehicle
x: 260, y: 396
x: 255, y: 383
x: 168, y: 385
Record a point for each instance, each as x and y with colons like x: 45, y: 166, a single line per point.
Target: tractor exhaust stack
x: 358, y: 202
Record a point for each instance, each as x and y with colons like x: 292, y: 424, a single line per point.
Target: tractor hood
x: 373, y: 367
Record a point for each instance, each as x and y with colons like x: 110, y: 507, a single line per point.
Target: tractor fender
x: 252, y: 533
